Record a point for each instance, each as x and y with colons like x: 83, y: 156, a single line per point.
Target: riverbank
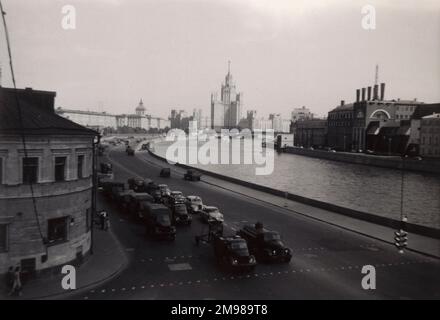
x: 392, y: 162
x: 417, y: 243
x: 376, y: 219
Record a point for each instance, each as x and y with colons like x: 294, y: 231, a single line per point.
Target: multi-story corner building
x: 45, y: 183
x: 226, y: 112
x: 372, y: 114
x: 430, y: 136
x: 349, y: 125
x: 303, y: 113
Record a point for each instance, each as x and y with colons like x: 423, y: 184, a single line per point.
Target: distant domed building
x: 140, y: 109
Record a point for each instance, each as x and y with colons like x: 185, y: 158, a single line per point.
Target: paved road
x: 326, y: 264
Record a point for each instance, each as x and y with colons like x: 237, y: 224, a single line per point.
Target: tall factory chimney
x: 369, y: 93
x: 363, y: 94
x: 376, y: 92
x: 358, y: 93
x: 382, y: 91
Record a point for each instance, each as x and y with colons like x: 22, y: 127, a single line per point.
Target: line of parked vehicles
x: 160, y: 209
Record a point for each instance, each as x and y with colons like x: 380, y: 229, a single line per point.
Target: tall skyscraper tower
x: 226, y: 112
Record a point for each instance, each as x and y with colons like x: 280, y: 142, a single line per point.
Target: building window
x: 80, y: 166
x: 57, y: 230
x: 60, y: 168
x: 30, y: 170
x: 3, y: 237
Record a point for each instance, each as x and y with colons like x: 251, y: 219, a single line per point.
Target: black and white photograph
x: 219, y: 155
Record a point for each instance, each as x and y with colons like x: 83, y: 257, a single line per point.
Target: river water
x: 365, y: 188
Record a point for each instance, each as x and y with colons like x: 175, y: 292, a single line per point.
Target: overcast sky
x: 174, y: 53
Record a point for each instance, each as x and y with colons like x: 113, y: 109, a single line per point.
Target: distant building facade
x: 310, y: 133
x: 89, y: 119
x: 226, y: 112
x: 430, y: 136
x: 416, y: 123
x: 303, y: 113
x: 340, y: 127
x: 57, y: 162
x: 99, y: 120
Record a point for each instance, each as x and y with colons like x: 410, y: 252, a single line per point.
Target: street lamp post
x: 402, y: 235
x: 94, y: 188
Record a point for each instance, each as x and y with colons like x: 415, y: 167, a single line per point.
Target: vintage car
x: 194, y: 204
x: 180, y: 214
x: 165, y: 173
x: 208, y: 214
x: 164, y: 190
x: 192, y: 175
x: 265, y: 244
x: 137, y: 184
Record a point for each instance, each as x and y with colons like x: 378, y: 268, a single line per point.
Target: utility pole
x: 401, y: 236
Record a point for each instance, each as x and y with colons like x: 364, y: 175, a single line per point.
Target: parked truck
x: 139, y: 203
x: 264, y: 244
x: 158, y: 222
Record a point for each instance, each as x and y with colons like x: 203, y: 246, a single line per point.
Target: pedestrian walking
x: 10, y: 278
x: 106, y: 222
x: 16, y: 284
x: 102, y: 219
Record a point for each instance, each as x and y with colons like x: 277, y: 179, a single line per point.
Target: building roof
x: 345, y: 107
x: 432, y: 116
x: 37, y: 113
x: 426, y: 110
x: 61, y: 110
x: 140, y: 107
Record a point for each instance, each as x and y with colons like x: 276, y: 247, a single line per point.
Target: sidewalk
x: 417, y: 243
x: 107, y: 261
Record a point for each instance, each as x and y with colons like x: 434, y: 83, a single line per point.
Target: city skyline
x: 280, y: 57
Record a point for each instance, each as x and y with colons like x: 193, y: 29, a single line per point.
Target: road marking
x: 180, y: 267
